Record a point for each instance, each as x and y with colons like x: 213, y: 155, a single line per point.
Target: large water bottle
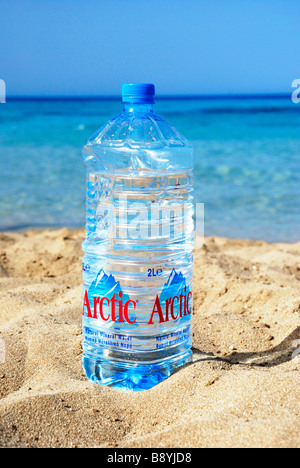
x: 137, y: 267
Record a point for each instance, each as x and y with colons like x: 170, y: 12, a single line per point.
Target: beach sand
x: 242, y: 390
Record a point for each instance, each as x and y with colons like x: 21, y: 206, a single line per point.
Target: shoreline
x: 242, y: 389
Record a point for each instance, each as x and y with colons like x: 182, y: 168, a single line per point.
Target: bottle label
x: 105, y: 301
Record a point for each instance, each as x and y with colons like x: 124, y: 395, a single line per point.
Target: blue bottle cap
x: 138, y: 93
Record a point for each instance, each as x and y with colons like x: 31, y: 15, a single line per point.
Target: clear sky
x: 90, y: 47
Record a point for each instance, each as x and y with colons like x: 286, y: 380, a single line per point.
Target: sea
x: 247, y: 155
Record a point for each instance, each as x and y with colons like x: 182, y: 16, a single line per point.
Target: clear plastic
x: 137, y: 265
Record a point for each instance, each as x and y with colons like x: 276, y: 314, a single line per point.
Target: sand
x: 242, y: 390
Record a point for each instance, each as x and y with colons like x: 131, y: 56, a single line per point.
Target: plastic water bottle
x: 137, y: 267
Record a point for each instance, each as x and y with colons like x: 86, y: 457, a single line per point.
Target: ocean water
x: 247, y: 154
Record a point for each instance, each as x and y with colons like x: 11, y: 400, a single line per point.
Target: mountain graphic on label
x: 174, y: 287
x: 175, y: 283
x: 106, y: 286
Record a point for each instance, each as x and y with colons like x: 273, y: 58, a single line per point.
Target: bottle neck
x: 145, y: 108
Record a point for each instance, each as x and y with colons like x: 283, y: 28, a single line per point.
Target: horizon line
x: 162, y: 97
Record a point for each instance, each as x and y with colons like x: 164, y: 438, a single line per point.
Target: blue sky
x: 90, y: 47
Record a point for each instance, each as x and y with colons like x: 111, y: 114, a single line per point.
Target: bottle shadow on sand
x: 284, y: 352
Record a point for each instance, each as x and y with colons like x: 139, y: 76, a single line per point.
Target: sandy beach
x: 242, y: 390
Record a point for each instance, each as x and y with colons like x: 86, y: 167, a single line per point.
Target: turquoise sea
x: 247, y: 152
